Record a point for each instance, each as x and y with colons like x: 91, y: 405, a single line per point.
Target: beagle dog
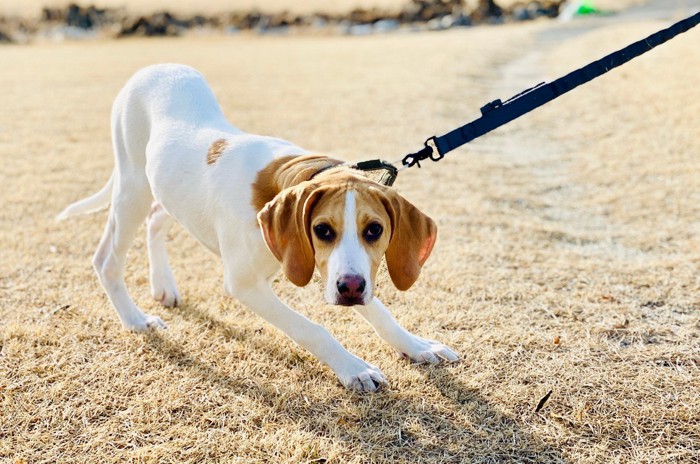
x: 258, y: 202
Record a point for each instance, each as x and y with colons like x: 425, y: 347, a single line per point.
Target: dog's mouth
x: 350, y: 301
x: 355, y: 299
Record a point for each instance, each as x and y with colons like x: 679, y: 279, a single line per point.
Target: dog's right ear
x: 285, y: 223
x: 412, y: 239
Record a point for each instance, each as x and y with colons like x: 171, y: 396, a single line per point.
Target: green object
x: 587, y: 7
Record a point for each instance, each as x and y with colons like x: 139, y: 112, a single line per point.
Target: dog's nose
x: 350, y: 287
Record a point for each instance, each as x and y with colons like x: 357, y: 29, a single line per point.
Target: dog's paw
x: 421, y: 351
x: 361, y: 376
x: 164, y: 290
x: 145, y: 323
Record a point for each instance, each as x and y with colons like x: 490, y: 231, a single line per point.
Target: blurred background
x: 29, y: 19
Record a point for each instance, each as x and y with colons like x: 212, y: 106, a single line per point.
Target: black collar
x: 326, y: 168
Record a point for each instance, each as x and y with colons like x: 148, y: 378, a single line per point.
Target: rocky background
x: 77, y: 21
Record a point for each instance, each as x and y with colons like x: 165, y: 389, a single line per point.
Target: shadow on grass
x: 463, y: 429
x: 388, y: 426
x: 494, y: 436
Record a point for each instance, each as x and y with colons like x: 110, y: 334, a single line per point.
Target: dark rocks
x: 159, y: 24
x: 425, y: 10
x: 485, y: 10
x: 14, y: 31
x: 534, y: 10
x: 416, y: 15
x: 76, y: 16
x: 5, y: 38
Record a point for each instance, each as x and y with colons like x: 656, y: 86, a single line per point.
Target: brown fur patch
x: 285, y: 172
x: 216, y: 150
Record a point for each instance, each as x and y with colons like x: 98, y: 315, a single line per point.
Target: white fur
x: 349, y: 257
x: 163, y: 123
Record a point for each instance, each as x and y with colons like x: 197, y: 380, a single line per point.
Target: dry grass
x: 567, y: 260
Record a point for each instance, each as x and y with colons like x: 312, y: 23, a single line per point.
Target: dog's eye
x: 324, y: 232
x: 373, y: 232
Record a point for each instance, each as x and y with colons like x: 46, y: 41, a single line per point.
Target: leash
x: 497, y: 113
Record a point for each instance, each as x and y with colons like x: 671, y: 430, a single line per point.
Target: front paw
x: 144, y: 323
x: 421, y: 350
x: 361, y: 376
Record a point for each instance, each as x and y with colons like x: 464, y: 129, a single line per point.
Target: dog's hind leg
x: 163, y: 286
x: 130, y: 205
x: 131, y: 200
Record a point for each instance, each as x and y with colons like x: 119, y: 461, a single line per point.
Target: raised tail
x: 91, y: 204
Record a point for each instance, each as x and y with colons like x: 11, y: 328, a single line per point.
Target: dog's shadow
x: 459, y: 426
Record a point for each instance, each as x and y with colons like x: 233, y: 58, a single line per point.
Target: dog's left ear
x: 285, y: 223
x: 413, y: 236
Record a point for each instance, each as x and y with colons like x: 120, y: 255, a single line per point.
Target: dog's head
x: 344, y: 225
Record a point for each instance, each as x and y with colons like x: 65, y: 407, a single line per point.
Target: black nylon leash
x: 497, y: 113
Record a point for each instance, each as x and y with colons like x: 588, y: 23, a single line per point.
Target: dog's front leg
x: 353, y: 372
x: 416, y: 348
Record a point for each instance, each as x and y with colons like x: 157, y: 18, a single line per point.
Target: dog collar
x: 326, y: 168
x: 387, y: 175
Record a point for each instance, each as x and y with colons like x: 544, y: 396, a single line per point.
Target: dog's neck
x: 288, y: 171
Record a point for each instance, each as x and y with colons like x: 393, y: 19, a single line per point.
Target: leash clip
x: 427, y: 152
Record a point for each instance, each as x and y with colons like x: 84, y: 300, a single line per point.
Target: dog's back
x: 171, y: 140
x: 160, y: 99
x: 171, y: 92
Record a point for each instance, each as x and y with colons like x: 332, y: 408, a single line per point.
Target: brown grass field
x: 568, y: 259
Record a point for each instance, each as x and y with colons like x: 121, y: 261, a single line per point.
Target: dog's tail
x: 91, y: 204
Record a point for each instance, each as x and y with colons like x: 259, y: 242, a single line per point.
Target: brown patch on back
x: 216, y: 150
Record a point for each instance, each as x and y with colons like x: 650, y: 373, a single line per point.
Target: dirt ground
x: 567, y: 258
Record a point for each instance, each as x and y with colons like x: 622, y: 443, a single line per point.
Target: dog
x: 259, y: 203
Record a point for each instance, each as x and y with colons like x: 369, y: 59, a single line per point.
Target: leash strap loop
x: 435, y: 154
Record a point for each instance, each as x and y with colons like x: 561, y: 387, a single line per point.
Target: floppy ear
x: 412, y: 238
x: 285, y: 223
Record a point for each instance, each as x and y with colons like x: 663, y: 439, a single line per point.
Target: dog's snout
x: 351, y: 288
x: 350, y: 285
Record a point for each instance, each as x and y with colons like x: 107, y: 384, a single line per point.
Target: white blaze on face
x: 349, y: 257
